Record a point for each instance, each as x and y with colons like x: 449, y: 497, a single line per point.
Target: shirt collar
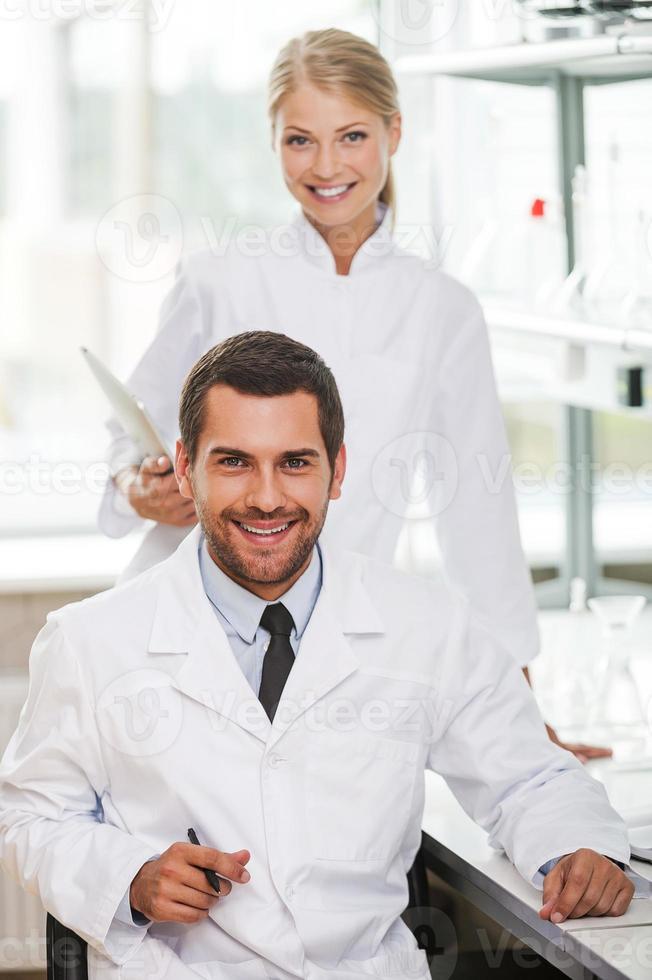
x: 317, y: 252
x: 242, y: 609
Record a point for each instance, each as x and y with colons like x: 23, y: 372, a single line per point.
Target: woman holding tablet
x: 407, y: 344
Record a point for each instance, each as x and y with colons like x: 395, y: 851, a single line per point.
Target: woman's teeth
x: 259, y: 530
x: 331, y: 191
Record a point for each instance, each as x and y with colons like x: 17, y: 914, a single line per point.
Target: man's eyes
x: 234, y: 462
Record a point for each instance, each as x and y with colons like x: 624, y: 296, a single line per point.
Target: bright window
x: 114, y: 131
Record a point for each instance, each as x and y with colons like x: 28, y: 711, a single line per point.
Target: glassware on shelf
x: 619, y: 708
x: 571, y: 294
x: 546, y: 246
x: 554, y: 20
x: 612, y: 267
x: 617, y: 613
x: 636, y: 307
x: 577, y: 670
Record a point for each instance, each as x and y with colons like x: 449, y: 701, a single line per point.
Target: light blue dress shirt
x: 239, y: 612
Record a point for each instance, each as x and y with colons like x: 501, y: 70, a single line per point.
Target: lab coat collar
x: 317, y: 252
x: 184, y: 622
x: 243, y: 610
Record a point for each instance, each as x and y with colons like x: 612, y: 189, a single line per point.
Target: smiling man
x: 262, y: 504
x: 284, y: 701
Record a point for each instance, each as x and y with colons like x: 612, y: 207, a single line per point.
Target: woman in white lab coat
x: 408, y: 346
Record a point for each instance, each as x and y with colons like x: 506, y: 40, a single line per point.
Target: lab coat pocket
x: 358, y: 795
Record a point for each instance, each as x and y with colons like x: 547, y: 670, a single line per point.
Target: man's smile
x: 265, y: 533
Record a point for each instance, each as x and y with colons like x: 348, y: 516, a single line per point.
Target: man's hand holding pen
x: 174, y: 887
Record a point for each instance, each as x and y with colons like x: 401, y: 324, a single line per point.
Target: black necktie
x: 278, y: 658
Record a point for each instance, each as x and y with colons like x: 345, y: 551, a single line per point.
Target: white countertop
x: 63, y: 563
x: 629, y: 950
x: 445, y: 821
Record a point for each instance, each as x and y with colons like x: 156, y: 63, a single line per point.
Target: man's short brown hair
x: 262, y: 363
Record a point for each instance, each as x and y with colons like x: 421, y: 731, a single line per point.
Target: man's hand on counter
x: 585, y: 883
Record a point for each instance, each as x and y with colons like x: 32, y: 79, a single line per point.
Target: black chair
x: 418, y: 883
x: 66, y: 952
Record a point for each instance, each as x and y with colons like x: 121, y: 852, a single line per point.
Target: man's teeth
x: 331, y: 191
x: 259, y: 530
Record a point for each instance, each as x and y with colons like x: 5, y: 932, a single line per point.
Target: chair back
x: 66, y: 952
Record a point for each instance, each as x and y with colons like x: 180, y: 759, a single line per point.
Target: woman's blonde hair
x: 337, y: 61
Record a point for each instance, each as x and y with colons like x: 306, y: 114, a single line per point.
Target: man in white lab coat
x: 284, y: 702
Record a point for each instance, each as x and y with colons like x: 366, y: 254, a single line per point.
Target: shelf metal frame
x: 568, y: 67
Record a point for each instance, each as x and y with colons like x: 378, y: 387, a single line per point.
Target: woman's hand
x: 579, y: 750
x: 155, y: 495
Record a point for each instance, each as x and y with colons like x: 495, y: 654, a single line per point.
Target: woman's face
x: 334, y: 154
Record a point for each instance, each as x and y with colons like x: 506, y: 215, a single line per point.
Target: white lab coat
x: 409, y: 349
x: 139, y: 723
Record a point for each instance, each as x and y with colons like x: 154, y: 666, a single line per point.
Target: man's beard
x: 265, y: 567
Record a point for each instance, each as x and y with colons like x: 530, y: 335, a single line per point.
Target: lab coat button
x: 289, y: 893
x: 274, y: 760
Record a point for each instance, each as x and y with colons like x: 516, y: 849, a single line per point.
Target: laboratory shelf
x: 583, y: 365
x: 603, y: 59
x: 572, y: 329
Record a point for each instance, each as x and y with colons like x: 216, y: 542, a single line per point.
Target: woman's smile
x: 331, y: 193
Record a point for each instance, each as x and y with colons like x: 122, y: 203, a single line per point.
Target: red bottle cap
x: 538, y: 209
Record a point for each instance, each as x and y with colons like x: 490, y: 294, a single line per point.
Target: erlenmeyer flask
x: 619, y: 706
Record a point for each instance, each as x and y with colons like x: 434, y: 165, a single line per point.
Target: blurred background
x: 111, y: 103
x: 516, y: 168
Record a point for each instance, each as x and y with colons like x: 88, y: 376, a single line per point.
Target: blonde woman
x: 407, y: 344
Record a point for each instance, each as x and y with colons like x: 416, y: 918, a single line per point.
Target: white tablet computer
x: 129, y: 411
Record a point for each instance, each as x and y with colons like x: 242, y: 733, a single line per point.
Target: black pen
x: 211, y: 877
